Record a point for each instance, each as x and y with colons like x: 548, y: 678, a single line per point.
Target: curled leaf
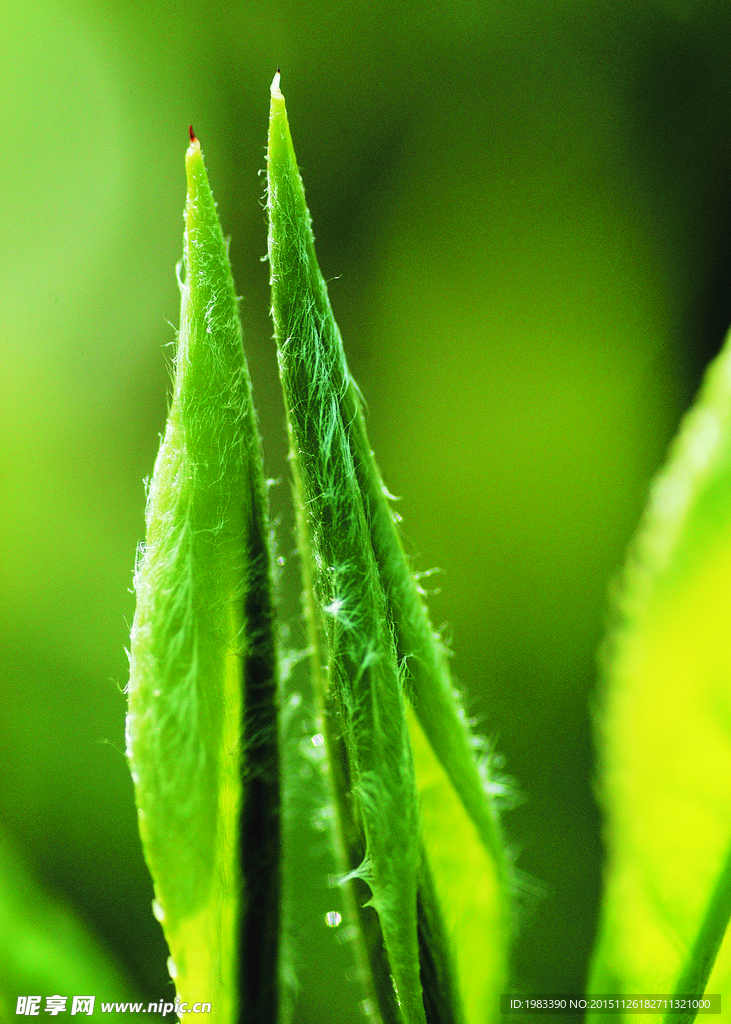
x: 202, y: 722
x: 398, y: 777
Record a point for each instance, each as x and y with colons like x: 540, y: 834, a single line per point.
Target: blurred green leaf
x: 44, y: 948
x: 664, y: 725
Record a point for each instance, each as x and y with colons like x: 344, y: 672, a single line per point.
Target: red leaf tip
x: 191, y: 133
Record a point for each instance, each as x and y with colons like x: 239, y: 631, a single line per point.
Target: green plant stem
x: 697, y: 969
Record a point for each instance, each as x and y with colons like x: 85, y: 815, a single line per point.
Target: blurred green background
x: 524, y: 212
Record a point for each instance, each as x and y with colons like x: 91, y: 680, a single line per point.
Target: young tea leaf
x: 665, y: 728
x: 362, y: 667
x: 202, y: 722
x: 365, y: 613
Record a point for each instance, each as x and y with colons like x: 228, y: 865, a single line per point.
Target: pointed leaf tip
x: 276, y: 92
x: 195, y: 144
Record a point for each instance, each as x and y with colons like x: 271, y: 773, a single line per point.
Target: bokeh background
x: 524, y: 212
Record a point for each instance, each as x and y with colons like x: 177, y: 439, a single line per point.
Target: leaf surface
x: 202, y: 722
x: 664, y: 726
x: 401, y: 781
